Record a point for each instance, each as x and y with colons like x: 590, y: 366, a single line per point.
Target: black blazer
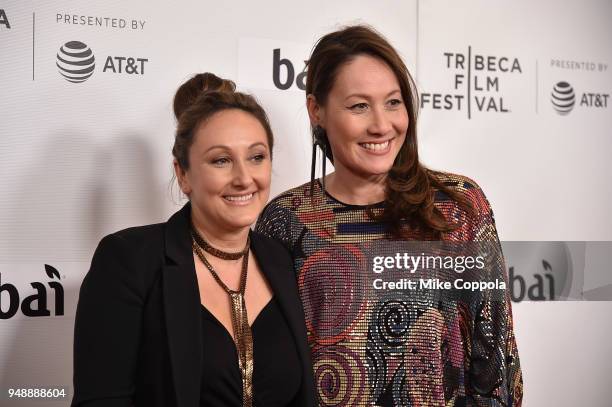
x: 138, y: 337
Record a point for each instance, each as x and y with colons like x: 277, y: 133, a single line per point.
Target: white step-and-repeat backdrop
x: 515, y: 95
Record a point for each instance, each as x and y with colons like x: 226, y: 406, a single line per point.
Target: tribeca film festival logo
x: 34, y: 305
x: 76, y: 63
x: 563, y: 99
x: 476, y: 83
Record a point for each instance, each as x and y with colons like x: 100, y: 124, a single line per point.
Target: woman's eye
x: 359, y: 106
x: 220, y: 161
x: 259, y: 158
x: 395, y: 102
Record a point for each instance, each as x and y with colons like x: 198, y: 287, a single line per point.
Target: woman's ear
x: 316, y: 112
x: 181, y: 176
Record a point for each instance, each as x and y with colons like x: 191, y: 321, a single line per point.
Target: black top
x: 138, y: 334
x: 276, y: 380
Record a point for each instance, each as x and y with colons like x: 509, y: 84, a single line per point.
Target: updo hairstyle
x: 200, y: 98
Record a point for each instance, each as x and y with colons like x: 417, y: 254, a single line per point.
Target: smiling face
x: 228, y: 180
x: 364, y: 116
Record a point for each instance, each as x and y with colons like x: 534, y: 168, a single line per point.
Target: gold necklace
x: 243, y: 337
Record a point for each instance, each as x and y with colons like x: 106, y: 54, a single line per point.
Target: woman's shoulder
x: 461, y: 182
x: 135, y: 237
x: 291, y: 197
x: 125, y: 263
x: 283, y: 208
x: 304, y: 201
x: 281, y: 217
x: 133, y: 249
x: 464, y: 186
x: 477, y: 223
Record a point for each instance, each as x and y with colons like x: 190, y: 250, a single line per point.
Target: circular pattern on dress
x: 392, y: 323
x: 333, y: 290
x: 391, y: 319
x: 376, y: 363
x: 340, y: 376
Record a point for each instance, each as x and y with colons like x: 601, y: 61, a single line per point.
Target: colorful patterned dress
x: 391, y: 349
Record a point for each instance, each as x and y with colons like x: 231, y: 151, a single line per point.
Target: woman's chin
x: 377, y: 170
x: 238, y: 222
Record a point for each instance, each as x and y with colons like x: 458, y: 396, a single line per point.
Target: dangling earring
x: 320, y: 140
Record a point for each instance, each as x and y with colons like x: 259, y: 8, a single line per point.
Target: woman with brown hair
x: 195, y: 311
x: 390, y: 349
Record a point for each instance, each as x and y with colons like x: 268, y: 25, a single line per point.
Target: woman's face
x: 228, y: 180
x: 364, y: 116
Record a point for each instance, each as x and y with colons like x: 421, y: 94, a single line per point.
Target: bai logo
x: 272, y: 64
x: 544, y: 271
x: 34, y: 305
x: 285, y: 68
x: 542, y: 290
x: 4, y: 19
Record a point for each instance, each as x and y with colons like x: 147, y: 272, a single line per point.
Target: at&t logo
x: 131, y: 66
x: 564, y: 99
x: 76, y: 61
x: 34, y: 305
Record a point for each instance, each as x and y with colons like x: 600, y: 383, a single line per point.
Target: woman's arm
x: 107, y: 328
x: 495, y: 370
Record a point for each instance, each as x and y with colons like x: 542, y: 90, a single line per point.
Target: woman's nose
x: 241, y: 175
x: 381, y: 123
